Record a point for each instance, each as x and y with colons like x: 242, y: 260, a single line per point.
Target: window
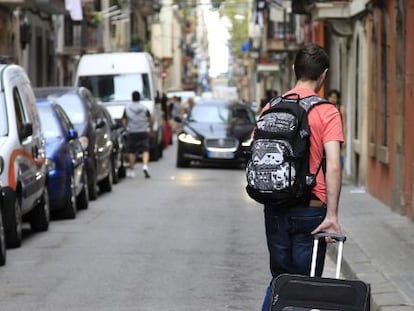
x: 372, y: 106
x: 117, y: 87
x: 50, y: 124
x: 357, y: 108
x: 384, y: 110
x: 18, y: 107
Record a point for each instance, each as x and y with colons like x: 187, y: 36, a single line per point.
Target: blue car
x: 67, y: 178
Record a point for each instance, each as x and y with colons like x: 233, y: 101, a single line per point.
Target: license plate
x: 220, y: 155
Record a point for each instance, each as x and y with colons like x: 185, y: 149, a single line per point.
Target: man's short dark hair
x: 136, y: 96
x: 310, y: 62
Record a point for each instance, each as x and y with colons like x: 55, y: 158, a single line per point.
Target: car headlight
x: 247, y: 142
x: 189, y: 139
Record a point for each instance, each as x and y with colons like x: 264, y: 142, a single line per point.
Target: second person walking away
x: 334, y: 96
x: 138, y: 121
x: 289, y: 231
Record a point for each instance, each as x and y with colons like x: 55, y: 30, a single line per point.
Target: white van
x: 112, y: 77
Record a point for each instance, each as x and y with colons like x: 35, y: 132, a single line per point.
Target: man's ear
x: 324, y: 73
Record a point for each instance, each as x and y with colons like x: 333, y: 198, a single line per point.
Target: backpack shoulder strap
x: 275, y: 100
x: 293, y: 97
x: 308, y: 102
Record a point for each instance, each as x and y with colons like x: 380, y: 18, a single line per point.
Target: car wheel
x: 161, y: 149
x: 83, y: 198
x: 14, y: 234
x: 155, y: 153
x: 182, y: 163
x: 115, y: 172
x: 122, y: 171
x: 2, y: 243
x: 70, y: 208
x: 93, y: 186
x: 40, y: 215
x: 106, y: 184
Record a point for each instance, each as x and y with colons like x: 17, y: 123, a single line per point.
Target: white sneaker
x: 130, y: 173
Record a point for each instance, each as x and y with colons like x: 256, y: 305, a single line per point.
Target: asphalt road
x: 184, y: 240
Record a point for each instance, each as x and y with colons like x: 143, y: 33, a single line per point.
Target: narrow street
x: 187, y: 239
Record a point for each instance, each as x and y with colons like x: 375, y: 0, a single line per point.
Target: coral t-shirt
x: 325, y: 125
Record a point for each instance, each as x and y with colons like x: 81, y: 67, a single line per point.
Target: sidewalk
x: 379, y: 249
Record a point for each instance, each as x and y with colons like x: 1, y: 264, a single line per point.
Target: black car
x: 93, y: 130
x: 215, y: 131
x: 119, y: 154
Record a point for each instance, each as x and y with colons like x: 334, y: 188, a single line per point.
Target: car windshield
x: 73, y: 107
x: 50, y: 124
x: 3, y: 118
x: 117, y: 87
x: 209, y: 114
x: 221, y: 114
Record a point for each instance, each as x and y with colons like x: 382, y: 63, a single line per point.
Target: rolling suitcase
x: 292, y: 292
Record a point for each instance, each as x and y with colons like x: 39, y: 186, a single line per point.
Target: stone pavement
x: 379, y: 249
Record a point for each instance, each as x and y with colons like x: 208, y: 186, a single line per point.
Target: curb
x: 356, y: 264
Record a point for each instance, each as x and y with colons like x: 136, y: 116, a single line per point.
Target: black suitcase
x: 292, y: 292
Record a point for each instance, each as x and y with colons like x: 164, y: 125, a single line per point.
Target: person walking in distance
x: 138, y: 121
x: 334, y: 97
x: 289, y: 231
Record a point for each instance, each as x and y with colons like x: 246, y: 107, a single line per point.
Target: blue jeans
x: 290, y: 243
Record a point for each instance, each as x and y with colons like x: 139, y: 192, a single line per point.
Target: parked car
x: 94, y: 132
x: 119, y: 154
x: 215, y: 131
x: 3, y: 254
x: 22, y: 147
x: 67, y: 180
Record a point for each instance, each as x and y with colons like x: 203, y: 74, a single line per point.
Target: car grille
x: 224, y: 143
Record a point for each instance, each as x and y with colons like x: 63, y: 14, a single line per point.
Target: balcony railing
x: 50, y: 6
x: 46, y: 6
x: 83, y: 39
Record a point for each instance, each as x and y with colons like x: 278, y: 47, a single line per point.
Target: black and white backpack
x: 277, y: 170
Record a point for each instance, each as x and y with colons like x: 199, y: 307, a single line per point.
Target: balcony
x: 280, y: 36
x: 50, y: 6
x: 146, y: 7
x: 46, y: 6
x: 345, y: 9
x: 13, y: 3
x: 83, y: 39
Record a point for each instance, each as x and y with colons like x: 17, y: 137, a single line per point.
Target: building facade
x: 369, y: 43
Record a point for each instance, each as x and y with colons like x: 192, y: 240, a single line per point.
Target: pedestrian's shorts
x: 138, y: 142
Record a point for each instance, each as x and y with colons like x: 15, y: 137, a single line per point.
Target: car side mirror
x: 100, y: 123
x: 27, y: 130
x: 72, y: 134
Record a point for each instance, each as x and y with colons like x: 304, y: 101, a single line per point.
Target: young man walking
x: 138, y: 121
x: 289, y: 230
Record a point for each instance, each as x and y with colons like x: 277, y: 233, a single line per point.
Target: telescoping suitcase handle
x: 339, y: 238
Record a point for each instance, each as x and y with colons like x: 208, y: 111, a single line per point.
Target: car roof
x: 219, y: 102
x: 54, y: 90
